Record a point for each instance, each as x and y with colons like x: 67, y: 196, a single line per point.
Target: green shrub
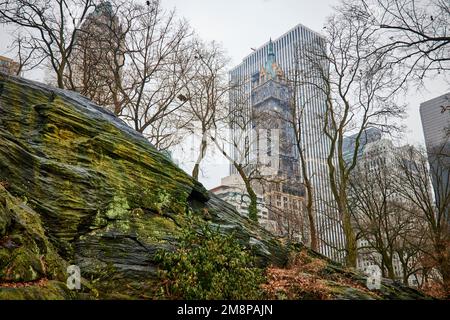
x: 209, y: 265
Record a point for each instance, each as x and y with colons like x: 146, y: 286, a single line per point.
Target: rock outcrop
x: 78, y: 186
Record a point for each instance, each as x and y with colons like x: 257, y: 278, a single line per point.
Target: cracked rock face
x: 106, y: 198
x: 80, y: 187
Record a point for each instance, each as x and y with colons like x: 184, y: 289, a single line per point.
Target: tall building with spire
x: 98, y: 57
x: 270, y: 99
x: 259, y: 82
x: 281, y: 186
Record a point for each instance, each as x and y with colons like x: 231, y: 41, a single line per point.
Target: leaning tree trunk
x: 311, y: 220
x: 252, y: 208
x: 201, y: 155
x: 350, y: 239
x: 443, y: 261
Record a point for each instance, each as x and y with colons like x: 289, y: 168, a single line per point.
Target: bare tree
x: 52, y: 26
x: 242, y: 143
x: 416, y: 33
x: 136, y: 60
x: 206, y: 87
x: 410, y: 243
x: 96, y: 66
x: 158, y: 57
x: 376, y: 217
x: 414, y: 185
x: 168, y: 131
x: 358, y: 89
x: 385, y: 220
x: 295, y: 118
x: 26, y: 52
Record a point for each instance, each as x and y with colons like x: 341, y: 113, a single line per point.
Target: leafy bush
x: 209, y: 265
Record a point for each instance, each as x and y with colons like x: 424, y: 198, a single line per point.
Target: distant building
x: 259, y: 86
x: 435, y: 115
x: 285, y: 201
x: 284, y: 194
x: 232, y: 190
x: 270, y: 101
x: 375, y: 155
x: 98, y: 56
x: 8, y: 66
x: 280, y: 205
x: 367, y: 136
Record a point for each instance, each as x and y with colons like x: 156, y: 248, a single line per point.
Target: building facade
x: 367, y: 136
x: 270, y: 104
x: 284, y: 200
x: 98, y: 56
x: 273, y: 60
x: 232, y: 190
x: 280, y: 205
x: 8, y: 66
x: 377, y: 159
x: 435, y: 116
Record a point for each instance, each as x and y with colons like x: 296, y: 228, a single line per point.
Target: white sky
x: 242, y: 24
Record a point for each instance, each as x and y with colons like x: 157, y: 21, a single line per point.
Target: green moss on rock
x: 51, y: 290
x: 86, y: 189
x: 25, y: 252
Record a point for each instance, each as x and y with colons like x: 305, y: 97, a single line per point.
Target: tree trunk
x: 201, y: 155
x: 312, y: 222
x: 444, y: 265
x: 60, y: 77
x: 252, y: 208
x: 386, y: 260
x: 405, y: 276
x: 116, y: 103
x: 350, y: 244
x: 390, y: 269
x: 350, y: 239
x: 446, y: 282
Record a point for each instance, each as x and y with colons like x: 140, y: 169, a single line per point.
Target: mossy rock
x: 105, y: 198
x: 50, y: 290
x: 84, y: 188
x: 25, y: 252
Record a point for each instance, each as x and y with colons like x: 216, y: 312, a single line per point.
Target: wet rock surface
x: 81, y: 187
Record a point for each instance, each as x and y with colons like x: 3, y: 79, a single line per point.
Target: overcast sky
x: 240, y: 25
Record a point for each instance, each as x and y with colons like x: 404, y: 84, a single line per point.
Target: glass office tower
x: 286, y: 51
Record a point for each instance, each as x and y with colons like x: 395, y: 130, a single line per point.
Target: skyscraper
x: 374, y: 200
x: 435, y: 116
x: 286, y: 51
x: 368, y: 136
x: 282, y: 188
x: 98, y: 57
x: 270, y: 98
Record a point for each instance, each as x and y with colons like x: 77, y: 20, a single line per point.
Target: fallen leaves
x: 291, y: 284
x: 434, y: 289
x: 300, y: 280
x: 309, y: 278
x: 40, y: 283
